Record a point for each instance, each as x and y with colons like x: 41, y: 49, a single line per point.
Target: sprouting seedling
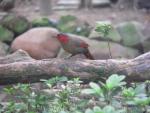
x: 103, y: 28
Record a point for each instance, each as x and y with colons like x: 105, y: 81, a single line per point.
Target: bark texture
x: 20, y: 67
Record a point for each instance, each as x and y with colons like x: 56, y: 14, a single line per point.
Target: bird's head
x: 63, y: 38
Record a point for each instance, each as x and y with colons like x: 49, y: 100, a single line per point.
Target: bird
x: 74, y: 45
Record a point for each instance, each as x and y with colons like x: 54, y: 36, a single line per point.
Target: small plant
x: 29, y: 101
x: 53, y: 81
x: 106, y: 109
x: 104, y: 29
x: 107, y: 90
x: 112, y: 96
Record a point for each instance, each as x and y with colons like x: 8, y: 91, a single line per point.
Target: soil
x: 32, y: 10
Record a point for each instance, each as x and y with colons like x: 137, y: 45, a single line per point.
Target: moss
x: 20, y: 27
x: 8, y: 18
x: 17, y: 24
x: 5, y: 34
x: 70, y: 24
x: 43, y: 22
x: 129, y: 33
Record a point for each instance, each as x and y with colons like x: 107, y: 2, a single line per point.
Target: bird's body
x: 74, y: 45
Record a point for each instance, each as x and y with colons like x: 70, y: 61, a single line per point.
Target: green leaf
x: 89, y: 111
x: 142, y: 101
x: 88, y: 91
x: 96, y: 88
x: 129, y: 92
x: 109, y: 109
x: 115, y: 81
x: 97, y: 109
x: 140, y: 89
x: 62, y: 112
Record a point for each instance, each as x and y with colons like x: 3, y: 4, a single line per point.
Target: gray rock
x: 71, y: 24
x: 131, y: 33
x: 146, y: 38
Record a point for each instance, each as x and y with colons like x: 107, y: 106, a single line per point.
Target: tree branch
x: 20, y: 67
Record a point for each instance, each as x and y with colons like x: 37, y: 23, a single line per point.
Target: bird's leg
x: 70, y: 56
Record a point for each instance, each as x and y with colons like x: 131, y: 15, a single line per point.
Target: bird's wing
x: 80, y: 43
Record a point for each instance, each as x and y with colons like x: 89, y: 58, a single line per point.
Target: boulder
x: 71, y: 24
x: 17, y: 24
x: 146, y: 38
x: 99, y: 50
x: 3, y: 49
x: 146, y: 45
x: 40, y: 43
x: 5, y: 34
x: 112, y: 36
x: 131, y: 33
x: 43, y: 22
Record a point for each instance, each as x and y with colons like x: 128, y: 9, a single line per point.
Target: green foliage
x: 103, y: 28
x: 30, y: 101
x: 53, y: 81
x: 106, y: 109
x: 66, y: 96
x: 106, y: 90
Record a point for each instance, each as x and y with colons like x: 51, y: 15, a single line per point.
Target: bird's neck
x: 63, y: 39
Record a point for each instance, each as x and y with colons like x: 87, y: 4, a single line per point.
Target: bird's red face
x: 62, y: 38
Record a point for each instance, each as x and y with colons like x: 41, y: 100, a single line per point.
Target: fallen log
x: 19, y: 67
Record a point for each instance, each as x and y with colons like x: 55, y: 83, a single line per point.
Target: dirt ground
x: 32, y: 11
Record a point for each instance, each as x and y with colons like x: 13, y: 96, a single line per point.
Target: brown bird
x: 74, y: 45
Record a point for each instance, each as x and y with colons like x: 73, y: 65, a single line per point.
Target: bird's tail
x: 89, y: 55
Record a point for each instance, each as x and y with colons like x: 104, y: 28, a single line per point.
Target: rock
x: 5, y: 34
x: 71, y: 24
x: 131, y: 33
x: 146, y: 38
x: 112, y: 36
x: 146, y: 45
x: 17, y: 24
x: 99, y: 50
x: 7, y: 5
x: 40, y: 43
x: 43, y: 22
x: 3, y: 49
